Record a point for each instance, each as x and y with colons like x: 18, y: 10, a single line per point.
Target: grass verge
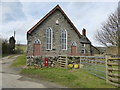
x: 68, y: 77
x: 20, y: 61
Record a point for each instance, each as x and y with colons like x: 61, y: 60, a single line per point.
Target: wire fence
x: 95, y: 65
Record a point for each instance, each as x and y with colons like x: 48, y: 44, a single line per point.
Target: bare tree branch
x: 108, y: 31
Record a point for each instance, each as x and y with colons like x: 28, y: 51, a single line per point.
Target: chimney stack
x: 84, y: 32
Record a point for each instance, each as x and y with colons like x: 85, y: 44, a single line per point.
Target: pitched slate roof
x: 47, y: 15
x: 85, y: 40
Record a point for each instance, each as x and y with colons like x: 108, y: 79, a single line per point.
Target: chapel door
x: 74, y: 49
x: 37, y: 48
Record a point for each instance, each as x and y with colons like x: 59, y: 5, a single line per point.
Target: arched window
x: 64, y: 40
x: 74, y: 43
x: 37, y: 41
x: 49, y: 33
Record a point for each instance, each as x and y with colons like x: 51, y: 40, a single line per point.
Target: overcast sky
x: 21, y: 16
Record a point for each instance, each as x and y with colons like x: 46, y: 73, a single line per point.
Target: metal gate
x: 95, y: 65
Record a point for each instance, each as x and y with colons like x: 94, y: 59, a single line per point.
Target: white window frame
x: 83, y: 50
x: 74, y: 43
x: 64, y: 39
x: 83, y: 45
x: 49, y: 37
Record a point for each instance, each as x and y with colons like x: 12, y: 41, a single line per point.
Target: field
x: 21, y: 47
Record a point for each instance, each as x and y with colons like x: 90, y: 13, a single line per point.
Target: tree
x: 12, y: 44
x: 5, y: 46
x: 109, y: 31
x: 119, y: 28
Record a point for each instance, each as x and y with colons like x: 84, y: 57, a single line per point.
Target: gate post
x: 66, y: 58
x: 80, y: 62
x: 106, y: 68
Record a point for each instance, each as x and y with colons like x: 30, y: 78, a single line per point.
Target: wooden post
x: 66, y: 62
x: 106, y: 69
x: 80, y: 63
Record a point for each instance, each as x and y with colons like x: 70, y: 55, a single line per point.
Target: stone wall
x: 87, y: 49
x: 40, y: 33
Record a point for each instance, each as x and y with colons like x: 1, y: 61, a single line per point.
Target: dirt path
x: 12, y: 79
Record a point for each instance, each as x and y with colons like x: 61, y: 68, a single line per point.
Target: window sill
x: 48, y: 49
x: 63, y: 49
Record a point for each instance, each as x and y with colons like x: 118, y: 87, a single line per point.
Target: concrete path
x: 11, y: 79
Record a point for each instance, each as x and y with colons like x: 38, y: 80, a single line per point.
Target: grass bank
x: 20, y: 61
x: 70, y: 78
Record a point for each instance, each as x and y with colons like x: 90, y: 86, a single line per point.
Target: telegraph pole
x: 14, y: 34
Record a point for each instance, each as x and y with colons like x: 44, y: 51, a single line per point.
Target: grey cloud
x: 82, y: 14
x: 12, y: 11
x: 36, y: 9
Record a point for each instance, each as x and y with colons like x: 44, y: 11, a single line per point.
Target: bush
x: 5, y: 47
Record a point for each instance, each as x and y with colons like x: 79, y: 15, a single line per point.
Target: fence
x: 106, y: 68
x: 113, y: 71
x: 94, y: 65
x: 62, y: 61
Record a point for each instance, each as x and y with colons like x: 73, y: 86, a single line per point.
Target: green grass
x: 21, y: 47
x: 68, y: 77
x: 20, y: 61
x: 97, y: 69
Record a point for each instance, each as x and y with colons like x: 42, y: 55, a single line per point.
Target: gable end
x: 47, y: 15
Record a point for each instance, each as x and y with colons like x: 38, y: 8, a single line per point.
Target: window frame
x: 83, y: 45
x: 49, y: 37
x: 64, y: 39
x: 83, y: 51
x: 74, y: 43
